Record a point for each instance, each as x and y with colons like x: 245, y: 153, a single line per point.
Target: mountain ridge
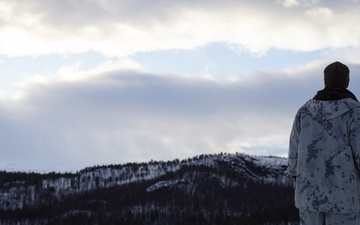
x: 190, y: 178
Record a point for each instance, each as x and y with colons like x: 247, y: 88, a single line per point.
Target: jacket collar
x: 334, y: 93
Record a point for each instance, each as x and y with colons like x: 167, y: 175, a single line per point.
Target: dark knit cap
x: 336, y: 75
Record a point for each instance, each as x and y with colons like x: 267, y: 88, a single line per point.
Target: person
x: 324, y: 153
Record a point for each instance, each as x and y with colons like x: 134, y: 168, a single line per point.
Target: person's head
x: 336, y: 75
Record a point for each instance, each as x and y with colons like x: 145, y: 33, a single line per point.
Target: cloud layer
x: 120, y: 116
x: 123, y: 28
x: 118, y: 110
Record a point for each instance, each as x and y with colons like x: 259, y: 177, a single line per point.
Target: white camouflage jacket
x: 324, y: 156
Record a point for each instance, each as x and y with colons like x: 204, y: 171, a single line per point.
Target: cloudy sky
x: 93, y: 82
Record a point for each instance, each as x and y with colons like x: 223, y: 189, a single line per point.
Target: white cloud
x: 289, y: 3
x: 320, y: 13
x: 72, y: 73
x: 117, y: 112
x: 120, y: 116
x: 122, y: 28
x: 352, y: 55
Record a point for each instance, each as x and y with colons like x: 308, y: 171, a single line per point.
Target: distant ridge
x: 227, y: 188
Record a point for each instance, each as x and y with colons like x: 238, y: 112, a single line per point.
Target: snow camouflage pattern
x: 324, y: 156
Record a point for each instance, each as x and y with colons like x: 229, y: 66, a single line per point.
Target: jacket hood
x: 330, y: 109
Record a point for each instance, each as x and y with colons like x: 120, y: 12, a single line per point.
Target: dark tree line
x: 206, y: 195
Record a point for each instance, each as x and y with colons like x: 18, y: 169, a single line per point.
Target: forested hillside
x: 207, y: 189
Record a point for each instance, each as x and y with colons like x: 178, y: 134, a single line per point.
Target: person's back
x: 324, y: 153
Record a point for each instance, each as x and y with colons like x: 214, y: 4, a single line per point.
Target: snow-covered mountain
x: 200, y: 178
